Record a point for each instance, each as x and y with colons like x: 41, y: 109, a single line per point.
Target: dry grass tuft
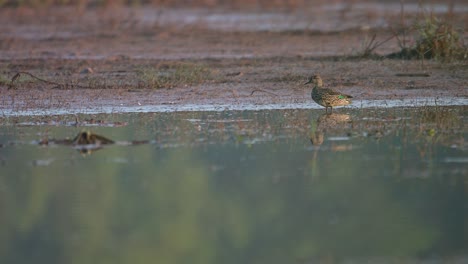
x: 434, y: 38
x: 438, y: 39
x: 169, y: 75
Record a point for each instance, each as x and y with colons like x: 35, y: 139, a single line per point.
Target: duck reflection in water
x: 326, y: 123
x: 85, y: 142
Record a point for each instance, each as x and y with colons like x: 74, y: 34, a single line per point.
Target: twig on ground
x: 18, y: 75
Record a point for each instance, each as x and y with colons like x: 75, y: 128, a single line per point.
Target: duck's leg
x: 331, y: 109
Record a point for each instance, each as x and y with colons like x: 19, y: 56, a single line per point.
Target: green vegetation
x: 19, y: 79
x: 4, y: 81
x: 435, y: 38
x: 438, y: 39
x: 438, y: 123
x: 169, y: 75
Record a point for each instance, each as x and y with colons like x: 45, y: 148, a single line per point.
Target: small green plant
x: 170, y: 75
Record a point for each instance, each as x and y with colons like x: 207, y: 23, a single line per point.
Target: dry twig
x: 65, y: 85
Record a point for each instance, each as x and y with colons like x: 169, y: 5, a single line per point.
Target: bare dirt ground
x: 105, y: 56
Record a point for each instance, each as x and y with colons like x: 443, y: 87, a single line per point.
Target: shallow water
x: 266, y: 186
x: 213, y: 107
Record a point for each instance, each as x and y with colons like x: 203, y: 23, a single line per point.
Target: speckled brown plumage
x: 327, y: 97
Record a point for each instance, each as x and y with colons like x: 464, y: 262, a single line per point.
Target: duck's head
x: 315, y: 79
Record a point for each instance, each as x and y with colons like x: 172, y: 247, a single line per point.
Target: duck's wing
x: 332, y: 92
x: 346, y: 95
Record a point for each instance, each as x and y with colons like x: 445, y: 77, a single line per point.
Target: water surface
x: 269, y: 186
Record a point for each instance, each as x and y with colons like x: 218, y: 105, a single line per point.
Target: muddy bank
x: 275, y: 80
x: 118, y: 60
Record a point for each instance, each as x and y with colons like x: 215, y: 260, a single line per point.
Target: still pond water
x: 270, y: 186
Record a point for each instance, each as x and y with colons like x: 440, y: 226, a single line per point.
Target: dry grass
x: 429, y: 37
x: 169, y: 75
x: 18, y: 79
x: 438, y: 39
x: 370, y: 44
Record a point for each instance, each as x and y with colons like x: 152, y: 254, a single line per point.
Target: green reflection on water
x: 239, y: 187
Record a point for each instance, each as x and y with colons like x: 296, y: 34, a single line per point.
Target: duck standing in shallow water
x: 327, y: 97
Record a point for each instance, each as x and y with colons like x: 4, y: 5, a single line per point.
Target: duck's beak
x: 309, y: 81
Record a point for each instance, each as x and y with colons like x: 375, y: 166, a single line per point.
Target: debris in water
x: 88, y: 138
